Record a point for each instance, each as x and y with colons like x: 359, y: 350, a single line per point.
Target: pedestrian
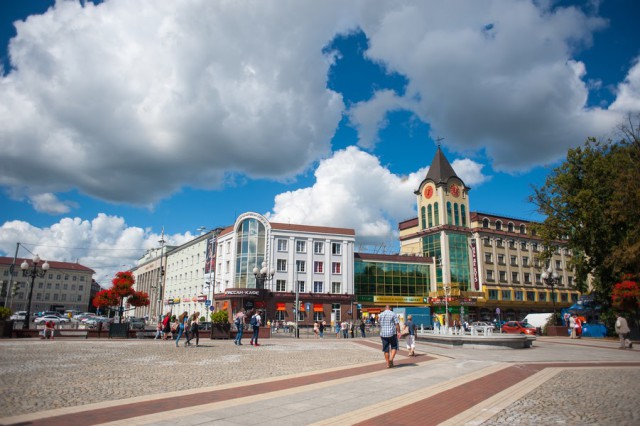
x: 239, y: 322
x: 362, y: 328
x: 316, y: 329
x: 159, y: 332
x: 166, y: 326
x: 352, y: 328
x: 572, y: 325
x: 578, y: 327
x: 255, y: 323
x: 49, y: 329
x: 345, y: 329
x: 389, y: 331
x: 622, y: 329
x: 337, y: 328
x: 194, y: 328
x: 321, y: 327
x: 411, y: 337
x: 182, y: 325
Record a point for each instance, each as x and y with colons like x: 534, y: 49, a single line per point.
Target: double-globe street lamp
x: 33, y: 273
x: 550, y: 277
x: 447, y: 295
x: 262, y: 275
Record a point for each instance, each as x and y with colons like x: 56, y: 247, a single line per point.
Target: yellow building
x: 485, y: 265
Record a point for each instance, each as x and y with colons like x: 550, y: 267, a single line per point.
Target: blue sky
x: 122, y: 117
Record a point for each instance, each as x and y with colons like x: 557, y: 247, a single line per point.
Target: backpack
x: 254, y: 321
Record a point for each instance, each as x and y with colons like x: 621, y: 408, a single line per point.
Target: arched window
x: 250, y: 250
x: 523, y: 229
x: 510, y: 227
x: 423, y: 217
x: 498, y: 225
x: 485, y: 223
x: 436, y: 213
x: 430, y: 215
x: 456, y: 214
x: 463, y: 215
x: 449, y: 214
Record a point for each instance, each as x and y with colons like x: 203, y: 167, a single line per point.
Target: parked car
x: 18, y: 316
x: 93, y: 321
x: 518, y: 327
x: 482, y: 326
x: 137, y: 323
x: 54, y: 318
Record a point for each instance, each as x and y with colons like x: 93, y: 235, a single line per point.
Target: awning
x: 317, y: 307
x: 225, y: 305
x: 372, y: 310
x: 280, y: 307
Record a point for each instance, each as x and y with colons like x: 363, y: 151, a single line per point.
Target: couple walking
x: 255, y: 322
x: 189, y: 325
x: 390, y: 334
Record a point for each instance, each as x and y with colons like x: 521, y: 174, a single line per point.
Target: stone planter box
x: 220, y: 331
x: 557, y: 330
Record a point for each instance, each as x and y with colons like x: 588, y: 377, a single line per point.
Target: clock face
x: 428, y: 192
x: 454, y: 190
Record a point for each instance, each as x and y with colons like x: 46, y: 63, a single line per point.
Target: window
x: 534, y: 246
x: 523, y: 245
x: 336, y: 249
x: 300, y: 316
x: 39, y: 296
x: 300, y: 286
x: 514, y: 260
x: 423, y: 212
x: 498, y: 225
x: 510, y: 227
x: 301, y: 246
x: 66, y: 277
x: 525, y: 261
x: 80, y: 288
x: 501, y: 259
x: 46, y: 296
x: 490, y: 275
x: 282, y: 245
x: 488, y: 258
x: 542, y: 297
x: 335, y: 287
x: 449, y: 214
x: 336, y: 268
x: 574, y: 297
x: 64, y: 297
x: 79, y: 298
x: 301, y: 266
x: 430, y: 215
x: 506, y: 294
x: 558, y: 264
x: 318, y: 267
x: 527, y: 278
x: 317, y: 286
x: 41, y: 285
x: 493, y: 294
x: 569, y: 281
x: 335, y: 309
x: 65, y: 286
x: 519, y: 295
x: 74, y: 278
x: 55, y: 296
x: 538, y: 279
x: 499, y: 242
x: 281, y: 265
x: 281, y: 285
x: 57, y: 286
x: 512, y: 244
x: 279, y: 315
x: 456, y: 214
x: 503, y: 276
x: 58, y: 277
x: 73, y: 287
x: 318, y: 247
x: 514, y: 277
x: 485, y: 223
x: 487, y: 241
x: 564, y: 297
x: 82, y: 278
x: 317, y: 316
x: 523, y: 230
x: 531, y: 296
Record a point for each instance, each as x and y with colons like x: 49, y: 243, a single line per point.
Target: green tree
x: 591, y: 204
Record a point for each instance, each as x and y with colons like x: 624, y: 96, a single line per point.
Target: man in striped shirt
x: 389, y: 330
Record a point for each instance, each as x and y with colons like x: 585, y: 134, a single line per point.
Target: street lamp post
x: 161, y: 276
x: 447, y: 294
x: 262, y: 275
x: 33, y: 273
x: 550, y: 277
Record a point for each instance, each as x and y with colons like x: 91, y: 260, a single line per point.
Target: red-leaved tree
x: 625, y: 297
x: 122, y: 288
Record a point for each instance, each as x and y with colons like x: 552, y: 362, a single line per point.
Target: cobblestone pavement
x: 38, y: 375
x: 578, y: 397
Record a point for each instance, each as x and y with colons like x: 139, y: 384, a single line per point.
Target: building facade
x: 65, y: 286
x: 310, y: 264
x: 485, y: 266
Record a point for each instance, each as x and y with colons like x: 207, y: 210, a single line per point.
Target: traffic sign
x: 207, y: 302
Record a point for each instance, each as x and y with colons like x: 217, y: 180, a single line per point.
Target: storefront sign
x: 202, y: 298
x: 396, y: 299
x: 474, y: 259
x: 238, y: 292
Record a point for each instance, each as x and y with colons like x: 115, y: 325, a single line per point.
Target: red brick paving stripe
x: 126, y: 411
x: 447, y: 404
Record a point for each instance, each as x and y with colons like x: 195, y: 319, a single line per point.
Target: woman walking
x: 195, y: 329
x: 166, y: 326
x: 182, y: 326
x: 411, y: 337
